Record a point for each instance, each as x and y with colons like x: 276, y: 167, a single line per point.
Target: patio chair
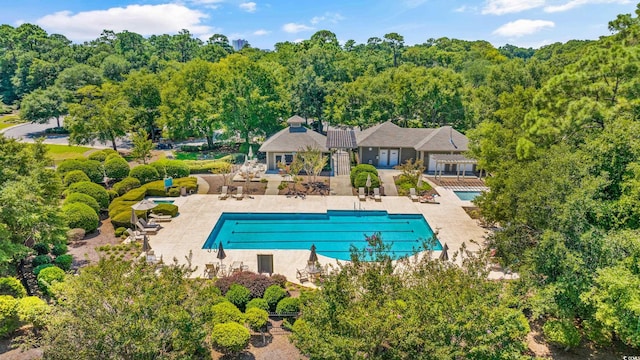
x: 412, y: 194
x: 146, y: 230
x: 149, y: 224
x: 160, y: 218
x: 376, y: 194
x: 133, y: 235
x: 239, y: 195
x: 224, y: 194
x: 210, y: 270
x: 302, y: 275
x: 361, y: 195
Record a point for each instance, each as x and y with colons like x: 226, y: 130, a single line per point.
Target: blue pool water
x: 163, y: 201
x: 467, y: 195
x: 332, y: 232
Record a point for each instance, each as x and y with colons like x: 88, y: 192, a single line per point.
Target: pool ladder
x: 358, y: 207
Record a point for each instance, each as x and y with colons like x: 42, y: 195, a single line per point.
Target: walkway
x: 342, y: 162
x: 341, y: 185
x: 386, y: 176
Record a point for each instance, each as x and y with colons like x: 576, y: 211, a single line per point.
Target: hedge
x: 362, y: 168
x: 101, y: 155
x: 94, y: 190
x: 273, y: 295
x: 257, y: 303
x: 116, y: 168
x: 48, y: 277
x: 41, y: 260
x: 156, y: 188
x: 79, y: 215
x: 134, y: 194
x: 238, y: 295
x: 74, y: 176
x: 125, y: 185
x: 9, y: 320
x: 59, y: 249
x: 37, y: 269
x: 12, y: 287
x: 84, y: 199
x: 288, y: 305
x: 166, y: 209
x: 122, y: 219
x: 256, y: 318
x: 64, y: 261
x: 33, y: 310
x: 112, y: 156
x: 92, y: 168
x: 144, y: 173
x: 230, y: 338
x: 256, y: 283
x: 225, y: 312
x: 208, y: 166
x: 172, y: 168
x: 361, y: 180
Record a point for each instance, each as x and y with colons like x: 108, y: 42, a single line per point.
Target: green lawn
x: 62, y: 152
x: 9, y: 120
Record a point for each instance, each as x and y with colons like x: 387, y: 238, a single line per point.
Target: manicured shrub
x: 119, y: 231
x: 225, y: 312
x: 208, y: 166
x: 273, y: 295
x: 82, y: 216
x: 49, y: 276
x: 238, y: 295
x: 84, y: 199
x: 122, y: 219
x: 173, y: 192
x: 288, y: 305
x: 59, y: 249
x: 40, y: 259
x: 116, y: 168
x: 41, y: 248
x: 64, y: 261
x: 256, y: 283
x: 171, y: 168
x: 155, y: 188
x: 74, y: 176
x: 361, y: 180
x: 257, y: 303
x: 9, y: 320
x: 112, y: 194
x: 230, y: 338
x: 165, y: 209
x: 92, y: 168
x: 134, y: 195
x: 33, y: 310
x: 256, y: 318
x: 562, y: 333
x: 144, y: 173
x: 102, y: 155
x: 12, y: 287
x: 280, y: 280
x: 112, y: 156
x: 94, y: 190
x: 362, y: 168
x: 37, y: 269
x: 126, y: 184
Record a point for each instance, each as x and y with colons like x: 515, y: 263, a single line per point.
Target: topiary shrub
x: 208, y: 166
x: 256, y: 318
x: 230, y: 338
x: 40, y: 259
x: 9, y: 320
x: 92, y: 168
x: 122, y: 219
x: 361, y: 180
x: 165, y: 209
x: 59, y: 249
x: 74, y: 176
x: 84, y: 199
x: 41, y: 248
x: 362, y: 168
x: 64, y: 261
x: 238, y: 295
x: 112, y: 155
x: 155, y: 188
x: 257, y: 303
x: 37, y: 269
x: 273, y: 295
x: 173, y: 192
x: 94, y: 190
x: 144, y: 173
x: 256, y: 283
x: 81, y: 216
x: 112, y: 194
x: 119, y: 231
x: 48, y: 277
x: 12, y: 287
x: 225, y: 312
x: 125, y: 185
x: 116, y: 168
x: 171, y: 168
x: 562, y: 333
x: 134, y: 195
x: 280, y: 280
x: 33, y: 310
x: 102, y: 155
x: 288, y: 305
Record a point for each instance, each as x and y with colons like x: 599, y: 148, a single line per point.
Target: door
x: 265, y: 264
x: 393, y: 157
x: 383, y: 158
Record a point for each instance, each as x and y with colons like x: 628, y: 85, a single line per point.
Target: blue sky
x: 527, y: 23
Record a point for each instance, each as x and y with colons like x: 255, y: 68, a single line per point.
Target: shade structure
x: 250, y: 152
x: 444, y: 256
x: 134, y: 218
x: 144, y: 205
x: 145, y: 244
x: 313, y: 257
x: 221, y: 255
x: 368, y: 183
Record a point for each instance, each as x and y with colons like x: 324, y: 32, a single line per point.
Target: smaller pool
x: 467, y: 195
x: 163, y: 201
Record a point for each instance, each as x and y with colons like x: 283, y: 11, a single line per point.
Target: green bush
x: 288, y: 305
x: 225, y: 312
x: 41, y: 248
x: 230, y: 338
x: 79, y: 215
x: 112, y: 155
x: 74, y: 176
x: 257, y: 303
x: 116, y: 168
x: 112, y: 194
x: 33, y: 310
x: 256, y: 318
x: 562, y: 333
x: 12, y: 287
x: 362, y: 168
x: 238, y: 295
x: 9, y: 320
x: 173, y: 192
x: 37, y: 269
x: 92, y: 168
x: 119, y: 231
x: 59, y: 249
x: 165, y: 209
x: 208, y: 166
x: 156, y: 188
x: 125, y: 185
x: 64, y: 261
x: 122, y: 219
x: 273, y: 295
x: 94, y: 190
x: 361, y: 180
x: 48, y: 277
x: 102, y: 155
x: 40, y: 259
x: 144, y: 173
x: 84, y: 199
x: 171, y: 168
x: 134, y: 194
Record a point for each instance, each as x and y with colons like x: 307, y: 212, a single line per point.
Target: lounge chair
x: 412, y: 194
x: 160, y: 218
x: 376, y: 194
x: 361, y: 194
x: 302, y: 275
x: 224, y: 194
x: 149, y: 224
x: 210, y: 270
x: 146, y: 230
x: 239, y: 195
x: 133, y: 235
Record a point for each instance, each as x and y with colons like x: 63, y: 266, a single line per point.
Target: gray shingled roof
x: 389, y: 134
x: 290, y: 141
x: 444, y: 138
x: 295, y: 119
x: 341, y: 139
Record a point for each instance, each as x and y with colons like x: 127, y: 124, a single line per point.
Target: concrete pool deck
x: 199, y: 214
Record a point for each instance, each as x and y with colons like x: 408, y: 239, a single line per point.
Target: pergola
x: 453, y: 159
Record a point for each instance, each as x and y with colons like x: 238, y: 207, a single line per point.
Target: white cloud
x: 577, y: 3
x: 248, y: 6
x: 261, y: 32
x: 522, y: 27
x: 293, y: 28
x: 142, y: 19
x: 331, y: 17
x: 209, y: 4
x: 501, y: 7
x: 461, y: 9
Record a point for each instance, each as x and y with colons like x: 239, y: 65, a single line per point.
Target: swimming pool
x: 467, y: 195
x: 163, y: 201
x: 332, y: 232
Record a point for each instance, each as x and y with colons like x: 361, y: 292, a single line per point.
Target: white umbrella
x: 368, y: 183
x: 144, y: 205
x: 250, y: 152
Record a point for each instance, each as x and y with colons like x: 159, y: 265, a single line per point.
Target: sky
x: 526, y: 23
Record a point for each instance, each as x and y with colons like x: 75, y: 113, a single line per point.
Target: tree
x: 142, y: 146
x: 313, y: 161
x: 142, y: 91
x: 42, y: 105
x: 396, y: 43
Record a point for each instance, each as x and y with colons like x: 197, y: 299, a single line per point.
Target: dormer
x: 295, y: 124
